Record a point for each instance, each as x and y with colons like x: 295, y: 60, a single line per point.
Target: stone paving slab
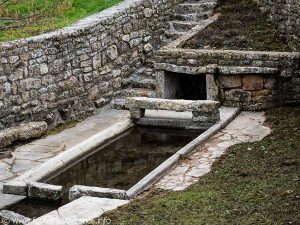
x: 247, y: 127
x: 79, y: 211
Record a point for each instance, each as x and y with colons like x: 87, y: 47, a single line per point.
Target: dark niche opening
x: 185, y: 86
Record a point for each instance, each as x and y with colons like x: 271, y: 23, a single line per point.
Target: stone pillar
x: 137, y: 113
x: 211, y: 87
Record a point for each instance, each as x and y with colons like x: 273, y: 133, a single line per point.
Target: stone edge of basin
x: 33, y: 189
x: 78, y: 191
x: 162, y: 169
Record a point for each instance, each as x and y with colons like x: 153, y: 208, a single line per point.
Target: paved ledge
x: 247, y: 127
x: 28, y: 156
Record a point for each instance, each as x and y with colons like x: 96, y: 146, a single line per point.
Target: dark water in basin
x: 120, y: 164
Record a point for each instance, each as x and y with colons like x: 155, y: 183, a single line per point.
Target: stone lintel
x: 214, y: 69
x: 172, y: 104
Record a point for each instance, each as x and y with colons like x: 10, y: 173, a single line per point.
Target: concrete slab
x: 79, y: 211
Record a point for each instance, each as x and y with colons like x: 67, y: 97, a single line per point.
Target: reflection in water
x: 120, y: 164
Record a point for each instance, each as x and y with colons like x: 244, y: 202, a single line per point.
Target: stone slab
x: 172, y: 104
x: 79, y: 211
x: 78, y: 191
x: 44, y: 191
x: 15, y: 188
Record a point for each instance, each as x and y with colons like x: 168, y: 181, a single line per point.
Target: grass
x: 62, y: 127
x: 24, y: 18
x: 254, y: 183
x: 241, y: 26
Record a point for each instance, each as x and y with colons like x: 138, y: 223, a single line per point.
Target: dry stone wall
x: 286, y: 14
x: 68, y: 73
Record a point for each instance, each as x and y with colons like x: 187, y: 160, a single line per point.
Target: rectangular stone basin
x: 120, y: 164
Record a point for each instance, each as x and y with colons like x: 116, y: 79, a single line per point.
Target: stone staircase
x: 188, y: 15
x: 140, y: 83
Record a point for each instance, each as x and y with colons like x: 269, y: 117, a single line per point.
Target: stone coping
x: 186, y: 53
x: 75, y: 28
x: 212, y: 69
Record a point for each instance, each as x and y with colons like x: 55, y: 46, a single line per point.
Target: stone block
x: 22, y: 132
x: 238, y: 95
x: 264, y: 92
x: 253, y: 83
x: 44, y: 191
x: 171, y: 104
x: 78, y: 191
x: 203, y: 117
x: 270, y: 83
x: 230, y: 81
x: 15, y: 188
x: 112, y: 52
x: 137, y: 113
x: 9, y: 217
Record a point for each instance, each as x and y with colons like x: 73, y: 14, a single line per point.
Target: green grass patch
x: 254, y: 183
x: 61, y: 127
x: 24, y: 18
x: 241, y: 26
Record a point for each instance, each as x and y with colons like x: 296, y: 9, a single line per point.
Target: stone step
x: 186, y: 8
x: 145, y: 72
x: 181, y: 26
x: 141, y: 92
x: 139, y: 82
x: 173, y: 34
x: 192, y: 16
x: 201, y: 1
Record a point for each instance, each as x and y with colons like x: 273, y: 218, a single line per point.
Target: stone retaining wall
x: 67, y: 74
x: 250, y: 80
x: 286, y: 14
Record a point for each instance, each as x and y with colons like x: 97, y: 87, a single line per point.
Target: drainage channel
x: 120, y: 164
